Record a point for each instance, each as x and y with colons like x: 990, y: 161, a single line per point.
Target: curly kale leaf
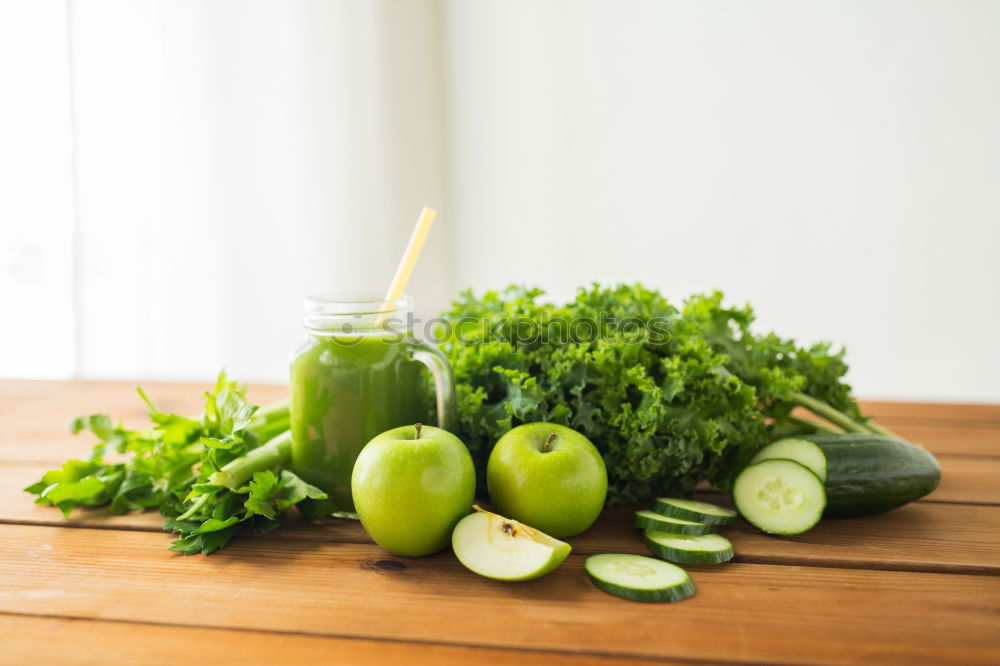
x: 776, y: 367
x: 671, y: 397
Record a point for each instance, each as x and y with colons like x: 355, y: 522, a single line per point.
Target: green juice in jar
x: 354, y: 378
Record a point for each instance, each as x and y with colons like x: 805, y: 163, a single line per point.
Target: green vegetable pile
x: 670, y: 396
x: 212, y: 477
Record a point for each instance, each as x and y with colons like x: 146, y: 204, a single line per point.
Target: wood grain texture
x: 924, y: 536
x: 920, y: 585
x: 88, y: 395
x: 922, y: 412
x: 919, y: 537
x: 968, y: 479
x: 941, y: 436
x: 18, y: 506
x: 774, y: 614
x: 35, y: 415
x: 974, y: 440
x: 30, y: 639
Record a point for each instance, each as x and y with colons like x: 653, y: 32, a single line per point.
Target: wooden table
x: 920, y: 585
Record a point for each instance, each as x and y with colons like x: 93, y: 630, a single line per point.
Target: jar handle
x: 444, y: 381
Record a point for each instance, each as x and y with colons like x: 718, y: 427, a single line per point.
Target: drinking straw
x: 410, y: 255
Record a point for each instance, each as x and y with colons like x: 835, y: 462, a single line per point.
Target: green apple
x: 504, y: 549
x: 548, y: 476
x: 411, y: 485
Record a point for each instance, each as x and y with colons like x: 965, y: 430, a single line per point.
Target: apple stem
x: 418, y: 427
x: 545, y: 446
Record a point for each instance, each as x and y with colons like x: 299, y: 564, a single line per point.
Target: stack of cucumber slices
x: 788, y: 486
x: 781, y: 490
x: 677, y: 530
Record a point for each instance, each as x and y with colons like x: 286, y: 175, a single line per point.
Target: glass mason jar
x: 358, y: 373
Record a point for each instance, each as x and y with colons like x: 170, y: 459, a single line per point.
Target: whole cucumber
x: 870, y: 474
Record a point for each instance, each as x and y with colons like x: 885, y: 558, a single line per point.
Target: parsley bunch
x: 212, y: 477
x: 671, y: 397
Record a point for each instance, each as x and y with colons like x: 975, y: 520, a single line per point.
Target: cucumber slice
x: 683, y: 549
x: 650, y: 520
x: 801, y: 451
x: 701, y: 512
x: 639, y: 578
x: 779, y: 496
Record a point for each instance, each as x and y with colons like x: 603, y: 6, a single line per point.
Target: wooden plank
x: 18, y: 506
x: 943, y: 437
x: 919, y: 537
x: 49, y: 442
x: 89, y: 395
x: 85, y: 396
x: 963, y: 480
x: 774, y: 614
x: 98, y: 396
x: 36, y: 414
x: 951, y: 440
x: 30, y: 639
x: 930, y: 411
x: 968, y: 479
x: 924, y: 536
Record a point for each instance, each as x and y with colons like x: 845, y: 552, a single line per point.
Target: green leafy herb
x: 211, y: 477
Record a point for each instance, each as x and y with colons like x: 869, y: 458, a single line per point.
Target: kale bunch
x: 671, y: 397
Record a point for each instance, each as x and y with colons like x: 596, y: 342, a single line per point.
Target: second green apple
x: 547, y: 476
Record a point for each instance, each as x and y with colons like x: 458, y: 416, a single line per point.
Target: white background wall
x: 37, y: 323
x: 836, y: 164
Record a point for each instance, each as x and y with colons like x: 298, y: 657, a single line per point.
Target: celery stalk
x: 276, y: 452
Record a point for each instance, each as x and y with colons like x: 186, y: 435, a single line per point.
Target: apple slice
x: 504, y: 549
